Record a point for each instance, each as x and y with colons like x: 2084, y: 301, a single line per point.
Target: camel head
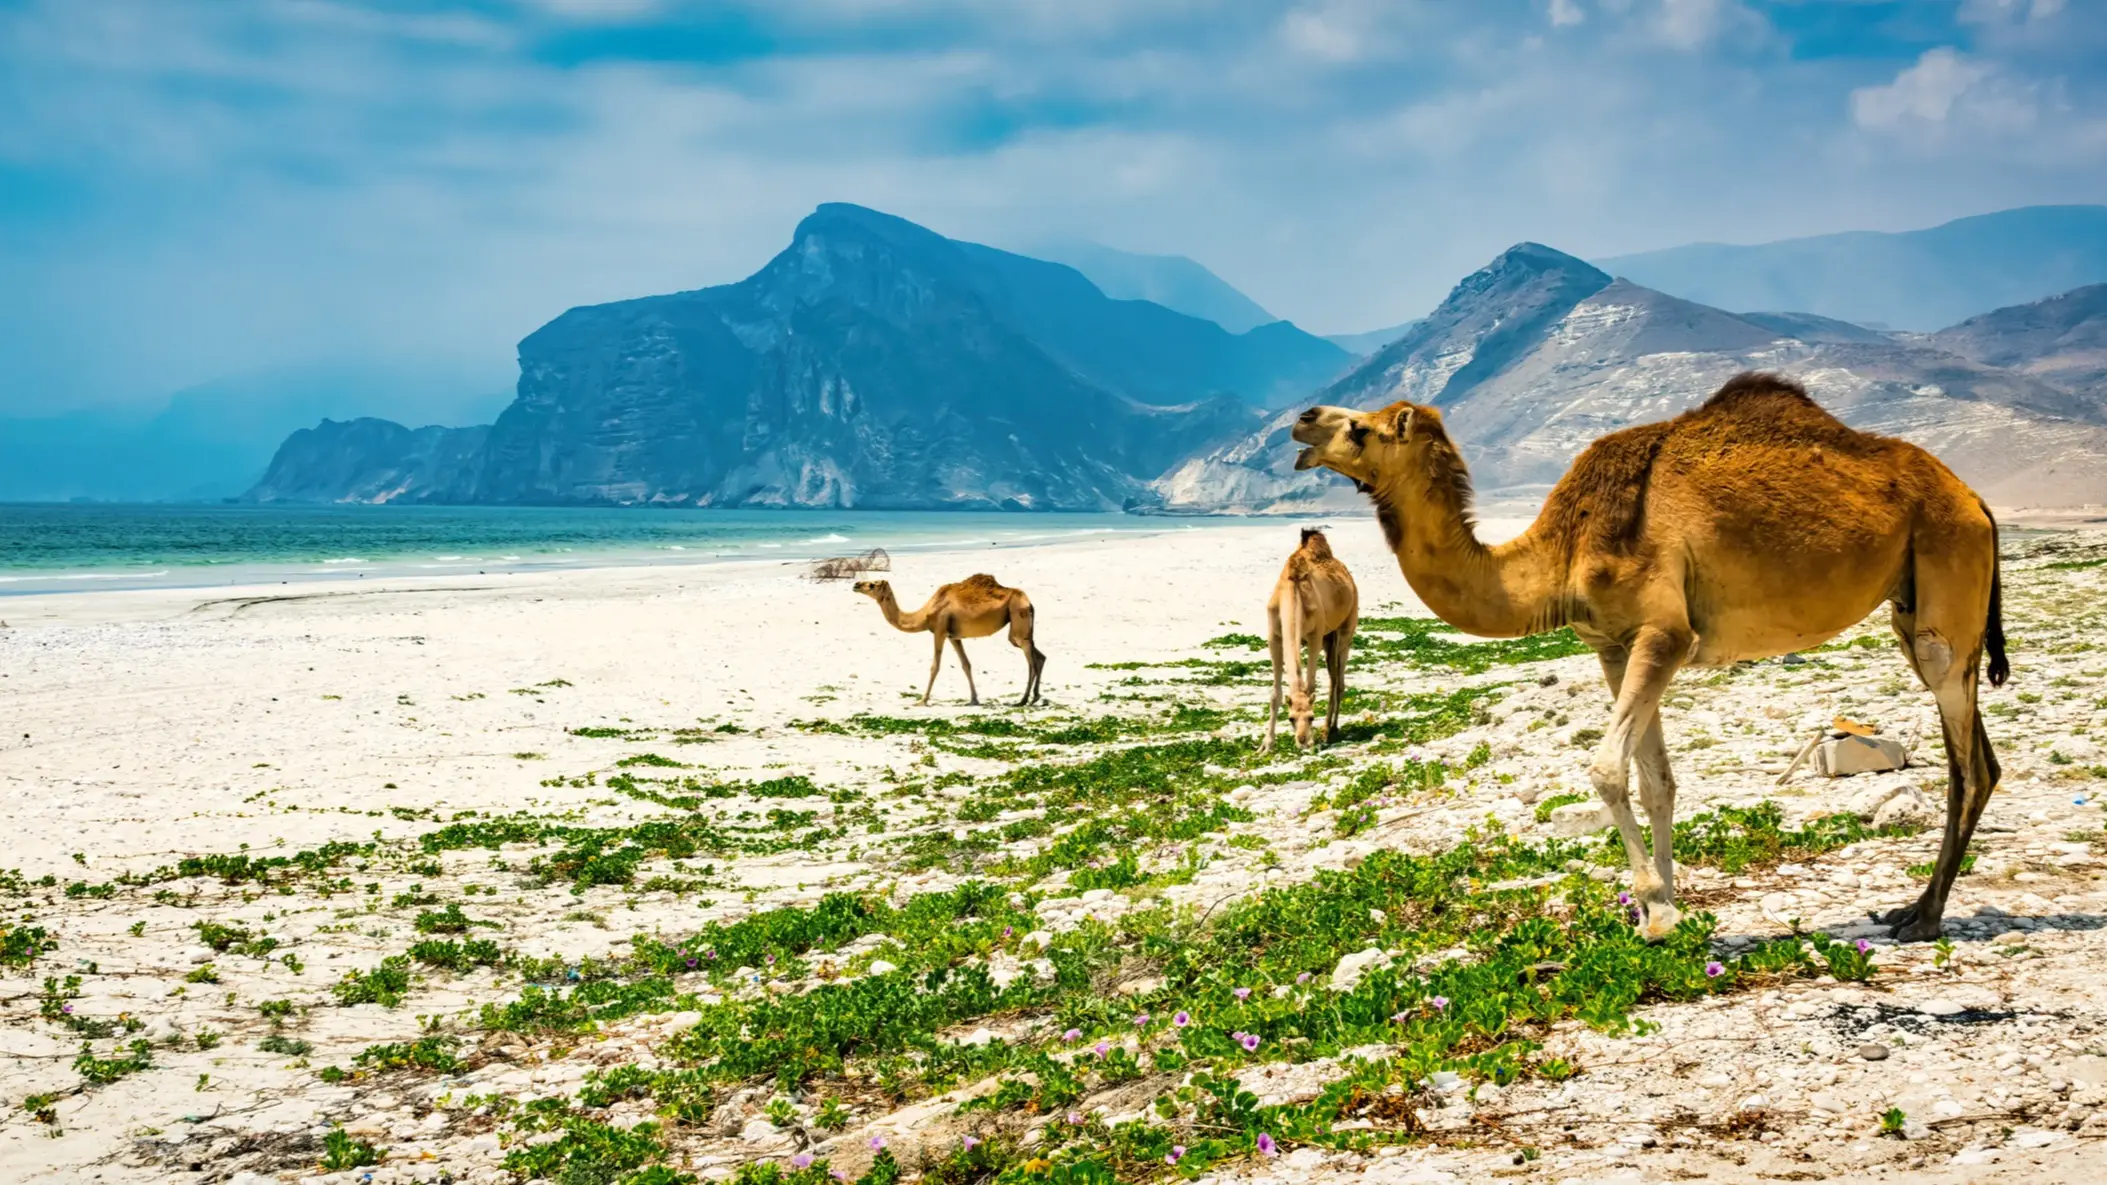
x: 1364, y: 445
x: 876, y: 590
x: 1299, y: 712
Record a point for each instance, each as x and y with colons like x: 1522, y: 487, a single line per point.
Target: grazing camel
x: 973, y: 608
x: 1755, y: 525
x: 1314, y: 607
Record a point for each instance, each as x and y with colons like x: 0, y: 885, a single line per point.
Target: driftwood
x: 846, y: 566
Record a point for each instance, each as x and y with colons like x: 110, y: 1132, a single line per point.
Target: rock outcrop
x: 366, y: 460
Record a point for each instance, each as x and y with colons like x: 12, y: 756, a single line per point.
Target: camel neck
x: 1504, y: 591
x: 911, y: 623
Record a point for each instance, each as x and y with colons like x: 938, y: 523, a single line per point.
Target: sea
x: 74, y: 547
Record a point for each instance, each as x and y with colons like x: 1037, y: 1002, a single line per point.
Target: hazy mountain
x: 1917, y: 280
x: 1539, y: 353
x: 213, y: 440
x: 873, y: 363
x: 1364, y: 344
x: 1172, y: 281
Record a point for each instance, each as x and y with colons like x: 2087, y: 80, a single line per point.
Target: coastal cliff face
x: 873, y: 363
x: 1539, y: 353
x: 366, y: 460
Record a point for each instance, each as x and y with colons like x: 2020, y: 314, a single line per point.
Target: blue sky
x: 196, y: 188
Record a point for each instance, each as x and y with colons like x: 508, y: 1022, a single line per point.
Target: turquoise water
x: 55, y: 548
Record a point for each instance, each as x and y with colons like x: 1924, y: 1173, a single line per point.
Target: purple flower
x: 67, y: 1009
x: 1141, y: 1019
x: 1101, y: 1048
x: 691, y: 960
x: 1397, y: 1018
x: 1624, y: 898
x: 1440, y: 1003
x: 1249, y: 1041
x: 839, y: 1175
x: 802, y: 1160
x: 1864, y: 946
x: 1176, y: 1154
x: 1181, y: 1018
x: 1072, y: 1035
x: 1303, y: 978
x: 1266, y: 1146
x: 1242, y: 993
x: 877, y: 1142
x: 1075, y: 1119
x: 1008, y: 930
x: 771, y: 960
x: 1715, y: 969
x: 970, y: 1142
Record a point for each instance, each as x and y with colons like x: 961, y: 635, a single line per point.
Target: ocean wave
x: 829, y: 538
x: 349, y: 559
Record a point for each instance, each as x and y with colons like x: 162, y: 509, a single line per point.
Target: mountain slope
x: 872, y: 363
x: 1172, y: 281
x: 1369, y: 341
x: 365, y: 460
x: 2062, y: 340
x: 1538, y: 354
x: 1918, y: 280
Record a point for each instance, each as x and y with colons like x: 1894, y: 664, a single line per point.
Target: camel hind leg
x: 1941, y: 616
x: 1022, y: 620
x: 1273, y: 642
x: 1336, y: 646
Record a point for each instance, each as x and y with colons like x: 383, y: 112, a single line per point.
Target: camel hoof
x: 1918, y: 929
x: 1660, y: 922
x: 1900, y: 917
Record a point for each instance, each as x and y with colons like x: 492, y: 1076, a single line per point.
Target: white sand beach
x: 143, y: 727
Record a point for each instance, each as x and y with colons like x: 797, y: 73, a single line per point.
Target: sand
x: 141, y: 727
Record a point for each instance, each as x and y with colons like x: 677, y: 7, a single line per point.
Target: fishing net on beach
x: 844, y: 567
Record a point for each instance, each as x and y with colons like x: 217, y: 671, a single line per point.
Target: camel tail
x: 1994, y: 627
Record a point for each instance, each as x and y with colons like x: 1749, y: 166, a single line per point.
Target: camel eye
x: 1358, y: 433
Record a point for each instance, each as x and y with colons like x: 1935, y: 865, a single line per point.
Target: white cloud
x: 1567, y: 12
x: 1692, y: 24
x: 1945, y: 93
x: 1995, y: 12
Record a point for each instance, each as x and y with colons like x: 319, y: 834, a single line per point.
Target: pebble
x: 1873, y: 1051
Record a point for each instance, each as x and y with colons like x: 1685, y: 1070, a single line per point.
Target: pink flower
x: 801, y: 1161
x: 1072, y: 1035
x: 1243, y: 993
x: 1440, y: 1003
x: 1249, y: 1041
x: 1176, y: 1154
x: 1266, y: 1146
x: 877, y: 1142
x: 1864, y: 946
x: 1714, y: 970
x: 1141, y: 1019
x: 1075, y: 1119
x: 970, y: 1142
x: 1101, y: 1048
x: 1181, y: 1019
x: 1303, y: 978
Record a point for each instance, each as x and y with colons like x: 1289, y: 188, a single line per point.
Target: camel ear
x: 1403, y: 426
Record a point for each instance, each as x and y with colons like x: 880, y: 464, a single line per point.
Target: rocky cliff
x: 367, y: 460
x: 873, y: 363
x: 1539, y: 353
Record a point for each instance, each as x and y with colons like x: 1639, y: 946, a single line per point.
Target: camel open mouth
x: 1307, y: 459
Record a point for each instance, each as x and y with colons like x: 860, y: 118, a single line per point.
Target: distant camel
x: 1755, y: 525
x: 1315, y: 606
x: 973, y: 608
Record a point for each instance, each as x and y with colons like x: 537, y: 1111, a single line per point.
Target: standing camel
x: 1755, y: 525
x: 1314, y: 607
x: 973, y: 608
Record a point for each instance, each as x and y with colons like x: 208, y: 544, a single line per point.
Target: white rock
x: 1906, y: 808
x: 1347, y: 975
x: 685, y: 1020
x: 1580, y: 818
x: 980, y: 1036
x: 881, y: 967
x: 1040, y: 939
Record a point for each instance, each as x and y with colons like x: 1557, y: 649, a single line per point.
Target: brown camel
x: 973, y: 608
x: 1314, y: 607
x: 1755, y: 525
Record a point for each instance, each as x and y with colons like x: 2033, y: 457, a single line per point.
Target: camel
x: 1314, y: 607
x: 1754, y: 525
x: 972, y: 608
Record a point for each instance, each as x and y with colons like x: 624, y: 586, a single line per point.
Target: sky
x: 193, y: 189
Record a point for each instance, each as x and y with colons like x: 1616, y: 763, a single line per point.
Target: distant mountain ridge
x: 1918, y: 280
x: 1539, y: 353
x: 1172, y: 281
x: 872, y: 363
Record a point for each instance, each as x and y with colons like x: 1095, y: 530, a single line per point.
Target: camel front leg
x: 1657, y: 795
x: 959, y: 644
x: 936, y: 661
x: 1641, y: 677
x: 1279, y: 671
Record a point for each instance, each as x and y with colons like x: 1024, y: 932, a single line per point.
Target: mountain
x: 1539, y: 353
x: 1916, y: 280
x: 872, y: 363
x: 365, y: 460
x: 1172, y: 281
x: 1364, y: 344
x: 2062, y: 340
x: 212, y: 440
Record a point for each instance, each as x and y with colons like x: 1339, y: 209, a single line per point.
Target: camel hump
x: 981, y: 582
x: 1758, y: 385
